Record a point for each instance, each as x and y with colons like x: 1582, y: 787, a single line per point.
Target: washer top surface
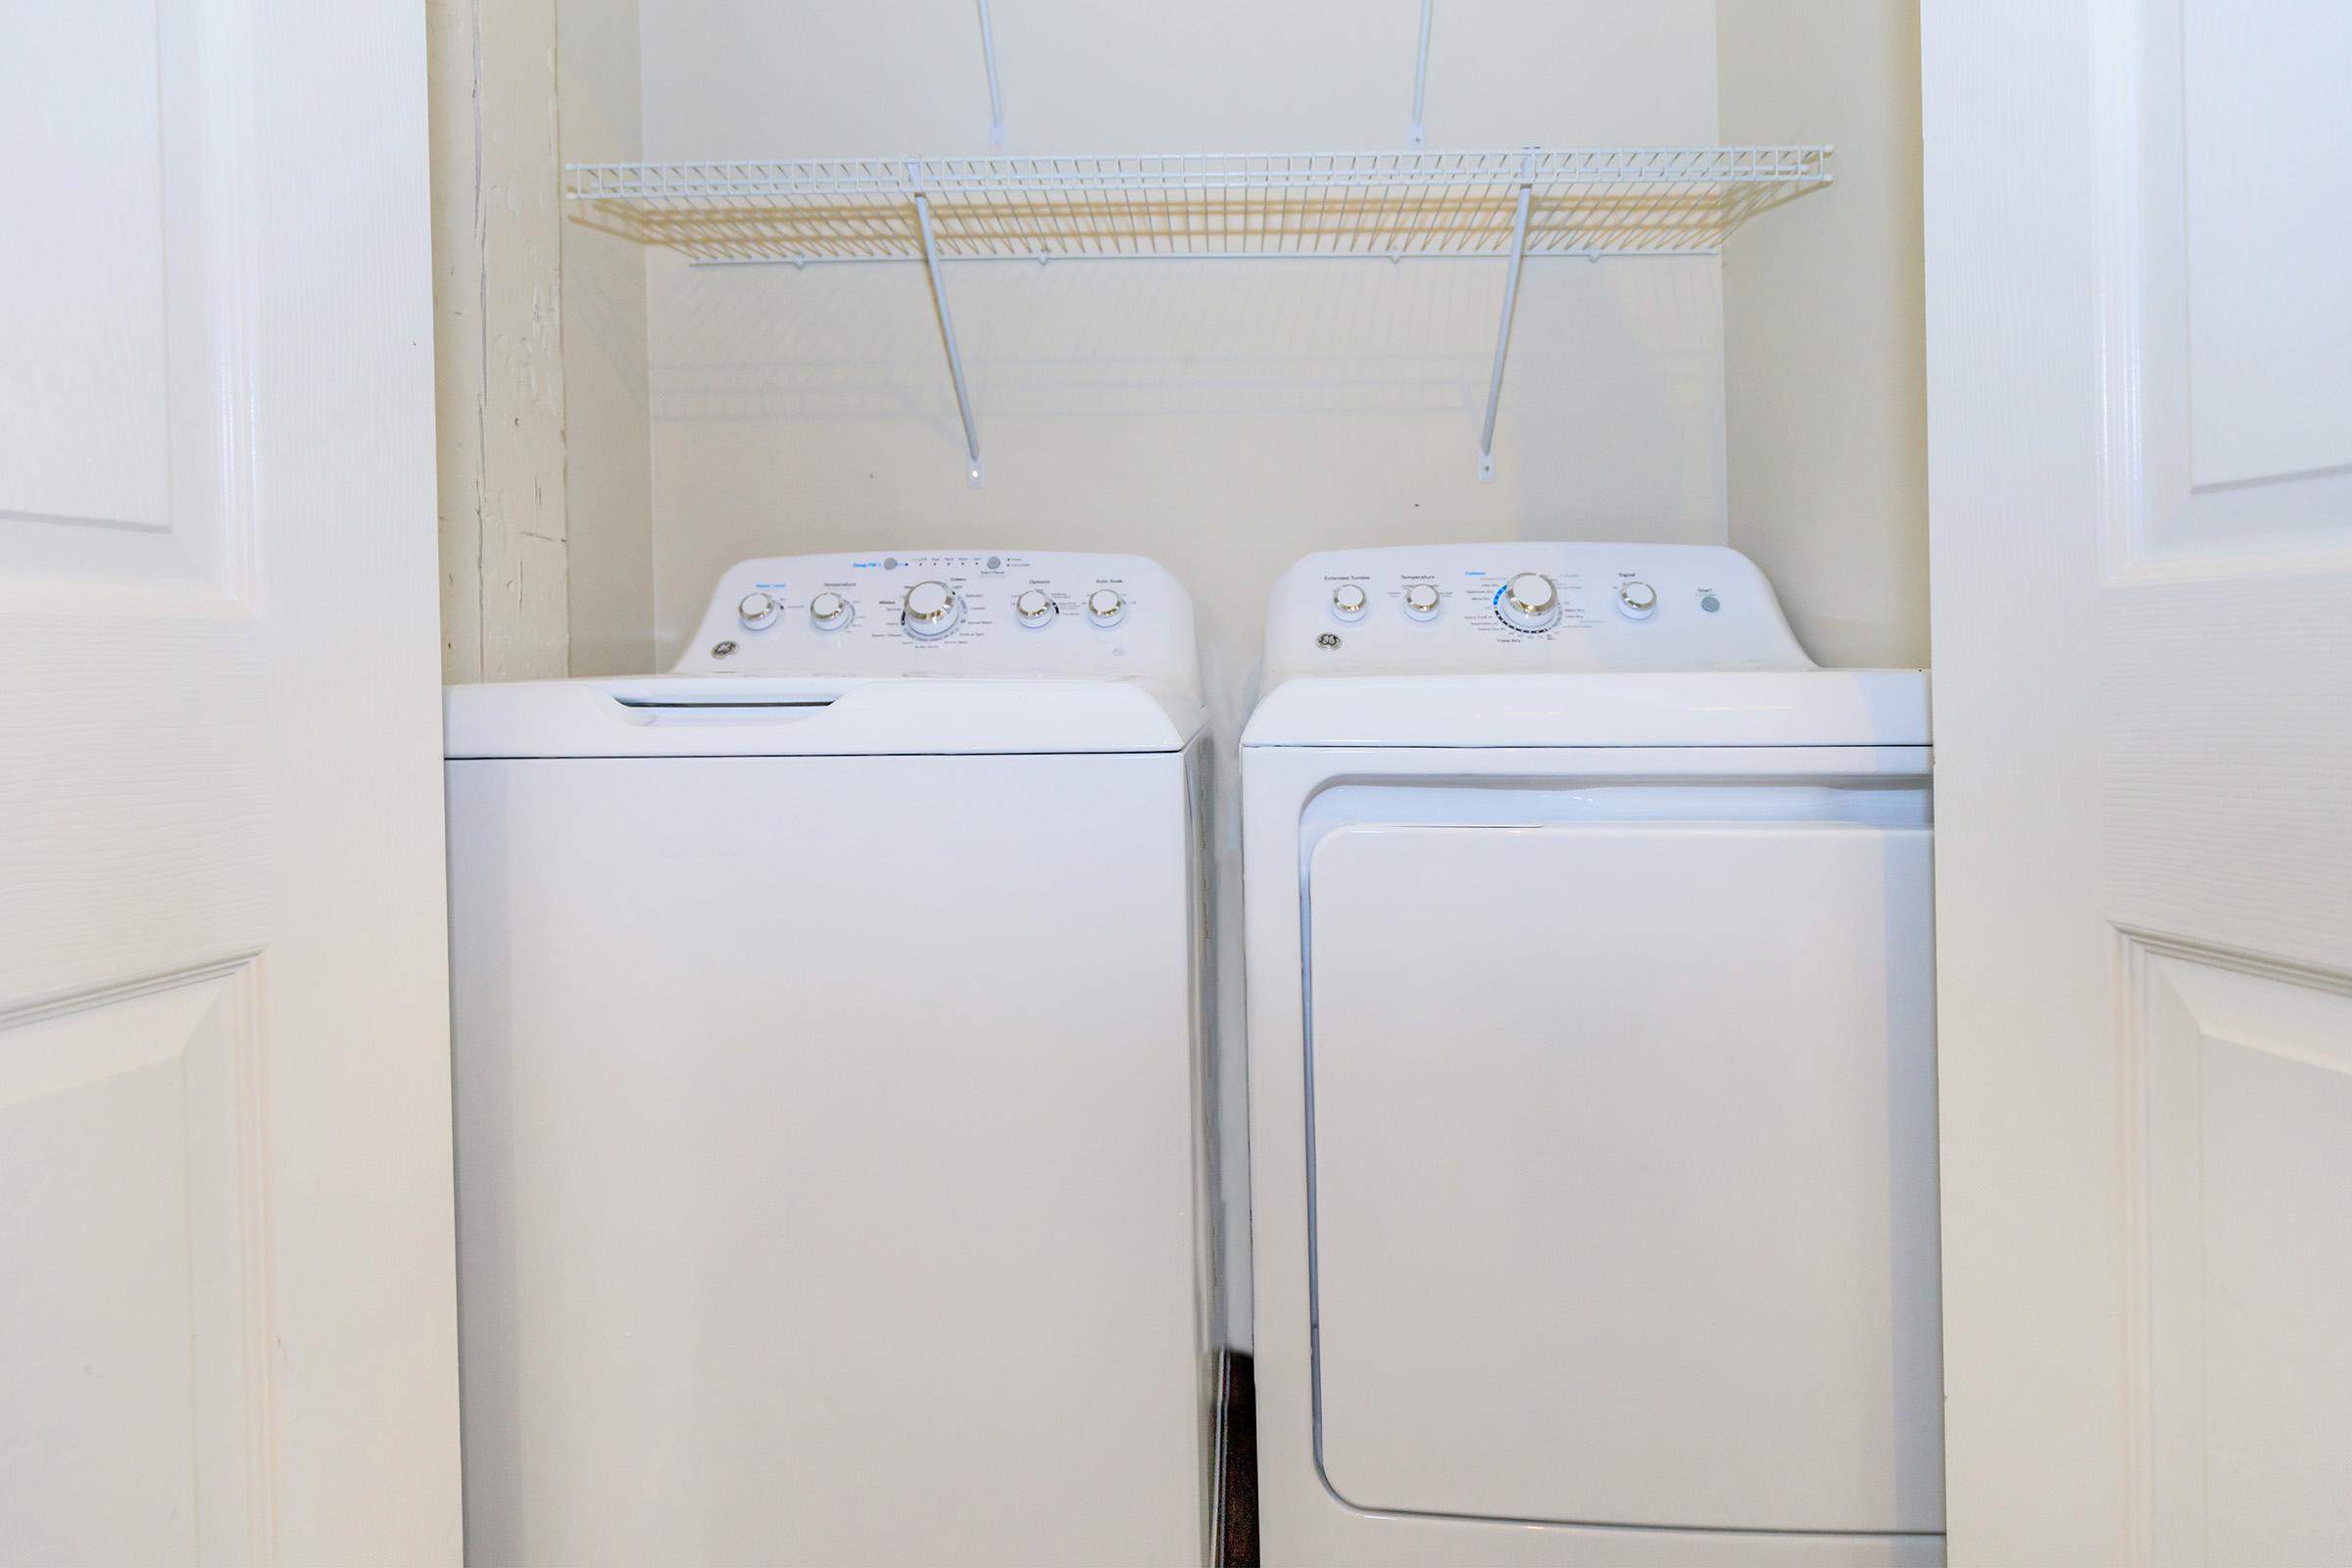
x: 883, y: 653
x: 1537, y: 643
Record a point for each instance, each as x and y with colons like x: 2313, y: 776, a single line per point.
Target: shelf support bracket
x: 996, y: 92
x: 1503, y: 333
x: 974, y: 474
x: 1417, y: 136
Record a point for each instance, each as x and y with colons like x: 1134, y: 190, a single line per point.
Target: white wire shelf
x: 1648, y: 200
x: 1395, y: 205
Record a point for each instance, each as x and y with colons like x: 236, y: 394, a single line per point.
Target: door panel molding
x: 135, y: 466
x: 2235, y: 1073
x: 2201, y: 477
x: 136, y: 1163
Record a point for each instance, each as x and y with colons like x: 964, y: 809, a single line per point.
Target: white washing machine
x: 1591, y: 1072
x: 828, y: 1073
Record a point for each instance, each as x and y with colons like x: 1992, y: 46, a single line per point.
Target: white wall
x: 1223, y: 417
x: 1825, y: 349
x: 607, y: 422
x: 498, y: 359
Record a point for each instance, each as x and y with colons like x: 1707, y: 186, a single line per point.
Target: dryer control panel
x: 976, y: 613
x: 1526, y: 609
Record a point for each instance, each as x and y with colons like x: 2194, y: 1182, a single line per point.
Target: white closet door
x: 2140, y: 405
x: 226, y: 1304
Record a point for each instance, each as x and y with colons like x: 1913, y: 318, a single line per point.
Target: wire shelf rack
x: 1654, y: 201
x: 1394, y: 205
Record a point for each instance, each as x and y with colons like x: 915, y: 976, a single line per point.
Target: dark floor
x: 1237, y: 1532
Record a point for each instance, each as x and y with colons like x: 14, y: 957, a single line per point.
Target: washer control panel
x: 982, y: 613
x: 1526, y: 607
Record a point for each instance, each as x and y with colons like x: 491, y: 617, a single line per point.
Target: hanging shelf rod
x: 1395, y: 205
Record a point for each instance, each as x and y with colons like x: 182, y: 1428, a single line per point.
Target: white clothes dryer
x: 1591, y: 1072
x: 828, y: 1052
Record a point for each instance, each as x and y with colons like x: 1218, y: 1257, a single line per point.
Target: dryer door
x: 1623, y: 1172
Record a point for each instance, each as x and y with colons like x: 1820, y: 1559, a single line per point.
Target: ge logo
x: 1328, y: 641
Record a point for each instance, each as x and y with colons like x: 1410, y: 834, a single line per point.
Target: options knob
x: 1034, y: 607
x: 758, y: 609
x: 1348, y: 600
x: 931, y: 608
x: 1421, y: 600
x: 1530, y: 602
x: 1106, y: 606
x: 828, y: 612
x: 1637, y: 600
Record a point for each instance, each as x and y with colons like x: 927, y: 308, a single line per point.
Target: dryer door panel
x: 1624, y: 1173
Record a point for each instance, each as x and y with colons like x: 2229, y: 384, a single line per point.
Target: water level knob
x: 1530, y: 602
x: 758, y: 609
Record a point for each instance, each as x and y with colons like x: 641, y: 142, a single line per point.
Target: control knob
x: 1421, y: 600
x: 1348, y: 600
x: 931, y: 609
x: 828, y: 612
x: 1106, y: 606
x: 1530, y: 602
x: 758, y: 608
x: 1034, y: 607
x: 1637, y: 600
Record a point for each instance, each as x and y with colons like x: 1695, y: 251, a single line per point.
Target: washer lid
x: 737, y: 715
x: 1719, y: 708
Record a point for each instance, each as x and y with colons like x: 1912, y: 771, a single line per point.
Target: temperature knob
x: 1106, y: 606
x: 931, y: 608
x: 1530, y: 603
x: 1638, y: 600
x: 1348, y: 600
x: 1421, y: 600
x: 828, y: 612
x: 1034, y: 608
x: 758, y: 609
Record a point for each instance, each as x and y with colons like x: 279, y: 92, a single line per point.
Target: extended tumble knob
x: 1348, y: 600
x: 931, y: 608
x: 1034, y: 607
x: 1530, y: 602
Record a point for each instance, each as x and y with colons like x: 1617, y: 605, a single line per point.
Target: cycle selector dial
x: 1421, y: 600
x: 1106, y: 606
x: 1348, y: 600
x: 931, y: 609
x: 1530, y: 602
x: 1034, y: 607
x: 828, y: 612
x: 758, y: 609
